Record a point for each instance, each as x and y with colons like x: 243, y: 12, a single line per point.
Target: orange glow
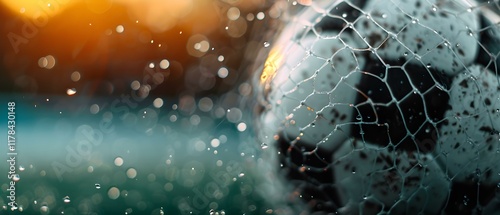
x: 36, y: 9
x: 305, y: 2
x: 56, y: 45
x: 158, y: 15
x: 273, y: 62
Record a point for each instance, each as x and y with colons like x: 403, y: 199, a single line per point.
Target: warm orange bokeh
x: 157, y: 15
x: 111, y: 42
x: 35, y: 8
x: 273, y: 62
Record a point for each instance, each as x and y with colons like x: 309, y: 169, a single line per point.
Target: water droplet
x: 241, y: 174
x: 466, y: 200
x: 161, y: 211
x: 118, y: 161
x: 384, y: 15
x: 469, y: 9
x: 302, y: 169
x: 21, y: 168
x: 428, y: 65
x: 266, y: 44
x: 16, y: 178
x: 220, y: 58
x: 405, y: 54
x: 14, y: 206
x: 128, y: 211
x: 97, y: 186
x: 44, y: 209
x: 359, y: 117
x: 365, y: 197
x: 71, y: 91
x: 434, y: 8
x: 344, y: 15
x: 264, y: 146
x: 66, y: 199
x: 119, y: 29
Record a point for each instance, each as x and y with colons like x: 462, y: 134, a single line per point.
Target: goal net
x: 386, y: 106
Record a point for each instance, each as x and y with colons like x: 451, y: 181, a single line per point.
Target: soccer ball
x: 386, y: 106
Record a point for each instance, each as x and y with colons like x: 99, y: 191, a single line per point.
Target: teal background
x: 48, y: 138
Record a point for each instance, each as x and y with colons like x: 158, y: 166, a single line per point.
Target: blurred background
x: 134, y: 107
x: 100, y: 47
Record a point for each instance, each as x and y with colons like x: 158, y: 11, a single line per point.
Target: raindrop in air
x: 66, y: 199
x: 128, y: 211
x: 97, y: 186
x: 466, y: 200
x: 264, y: 146
x: 16, y: 178
x: 302, y: 169
x: 71, y: 91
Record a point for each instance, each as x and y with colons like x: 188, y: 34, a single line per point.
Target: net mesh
x: 387, y: 107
